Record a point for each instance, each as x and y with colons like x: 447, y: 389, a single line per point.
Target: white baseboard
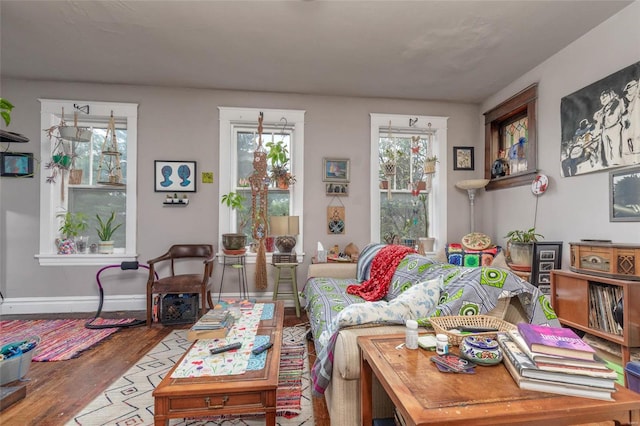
x: 55, y: 305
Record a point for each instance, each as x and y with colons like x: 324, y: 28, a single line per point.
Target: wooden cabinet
x: 575, y: 299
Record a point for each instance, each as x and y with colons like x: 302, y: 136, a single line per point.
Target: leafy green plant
x: 5, y: 110
x: 106, y: 228
x: 233, y: 200
x: 423, y: 200
x: 522, y: 236
x: 73, y: 224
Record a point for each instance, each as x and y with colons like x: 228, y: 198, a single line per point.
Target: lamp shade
x: 285, y: 228
x: 284, y: 225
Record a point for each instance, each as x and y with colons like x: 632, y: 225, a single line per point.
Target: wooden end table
x: 251, y: 392
x: 425, y: 396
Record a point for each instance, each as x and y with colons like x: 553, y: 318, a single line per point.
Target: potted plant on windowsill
x: 106, y: 229
x: 72, y: 225
x: 520, y: 248
x: 235, y: 243
x: 278, y: 156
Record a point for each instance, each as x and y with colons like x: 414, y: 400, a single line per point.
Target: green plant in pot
x: 234, y: 242
x: 278, y: 157
x: 72, y: 225
x: 106, y: 228
x: 520, y: 248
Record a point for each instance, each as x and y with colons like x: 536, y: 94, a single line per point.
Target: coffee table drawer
x: 215, y: 402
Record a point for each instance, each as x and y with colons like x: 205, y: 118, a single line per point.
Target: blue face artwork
x: 184, y: 172
x: 166, y: 172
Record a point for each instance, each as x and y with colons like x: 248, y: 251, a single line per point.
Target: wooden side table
x: 289, y: 278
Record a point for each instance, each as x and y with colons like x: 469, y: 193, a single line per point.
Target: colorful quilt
x: 464, y: 291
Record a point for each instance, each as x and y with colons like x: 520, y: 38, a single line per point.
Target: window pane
x: 100, y: 201
x: 278, y: 205
x: 402, y: 216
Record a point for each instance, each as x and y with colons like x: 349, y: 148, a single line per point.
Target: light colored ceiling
x: 437, y: 50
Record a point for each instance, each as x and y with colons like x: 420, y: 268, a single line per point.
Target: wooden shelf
x: 572, y: 301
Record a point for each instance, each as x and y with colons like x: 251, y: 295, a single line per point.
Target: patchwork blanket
x: 461, y: 291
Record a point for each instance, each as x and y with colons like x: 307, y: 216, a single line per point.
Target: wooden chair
x: 182, y: 283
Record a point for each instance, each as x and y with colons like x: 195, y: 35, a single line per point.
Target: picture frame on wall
x: 335, y: 170
x: 547, y: 255
x: 337, y: 189
x: 624, y: 194
x: 463, y: 158
x: 16, y: 164
x: 175, y: 176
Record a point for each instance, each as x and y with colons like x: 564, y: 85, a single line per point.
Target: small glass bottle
x: 442, y: 344
x: 412, y: 334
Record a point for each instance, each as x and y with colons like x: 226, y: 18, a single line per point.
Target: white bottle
x: 412, y: 334
x: 442, y: 344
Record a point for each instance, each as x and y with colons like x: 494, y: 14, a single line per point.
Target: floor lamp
x: 471, y: 186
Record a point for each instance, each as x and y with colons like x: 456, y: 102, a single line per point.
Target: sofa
x: 337, y: 318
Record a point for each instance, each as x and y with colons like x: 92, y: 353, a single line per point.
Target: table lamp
x: 285, y: 228
x: 471, y: 186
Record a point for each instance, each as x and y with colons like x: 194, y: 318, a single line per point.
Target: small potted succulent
x: 105, y: 230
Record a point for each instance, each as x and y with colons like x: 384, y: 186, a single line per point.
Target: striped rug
x: 59, y: 339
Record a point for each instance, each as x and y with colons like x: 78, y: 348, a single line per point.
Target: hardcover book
x: 555, y: 341
x: 540, y: 358
x: 527, y: 368
x: 555, y: 387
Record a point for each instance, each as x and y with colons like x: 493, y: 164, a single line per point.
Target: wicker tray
x: 444, y: 324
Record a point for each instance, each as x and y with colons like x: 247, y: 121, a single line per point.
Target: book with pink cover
x: 555, y: 341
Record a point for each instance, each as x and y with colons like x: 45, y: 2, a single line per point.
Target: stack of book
x: 215, y: 324
x: 555, y: 360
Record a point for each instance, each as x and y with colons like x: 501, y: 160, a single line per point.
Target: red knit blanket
x: 383, y: 267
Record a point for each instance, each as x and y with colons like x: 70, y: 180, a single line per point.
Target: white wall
x: 576, y: 207
x: 177, y: 123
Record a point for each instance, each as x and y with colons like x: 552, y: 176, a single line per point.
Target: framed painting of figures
x: 601, y: 124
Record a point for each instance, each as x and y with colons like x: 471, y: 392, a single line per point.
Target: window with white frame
x: 238, y: 141
x: 87, y: 177
x: 408, y: 202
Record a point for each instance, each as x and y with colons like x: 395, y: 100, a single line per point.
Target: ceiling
x: 461, y: 51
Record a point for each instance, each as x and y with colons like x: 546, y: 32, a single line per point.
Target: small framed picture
x: 335, y: 170
x: 547, y: 255
x: 463, y: 158
x: 175, y: 176
x: 624, y: 195
x: 339, y: 189
x: 16, y: 164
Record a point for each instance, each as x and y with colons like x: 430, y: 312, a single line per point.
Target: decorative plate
x: 539, y: 184
x: 476, y: 241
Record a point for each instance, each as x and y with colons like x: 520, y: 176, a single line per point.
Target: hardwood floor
x: 58, y: 390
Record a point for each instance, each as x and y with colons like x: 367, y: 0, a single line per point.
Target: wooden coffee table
x: 251, y: 392
x: 425, y: 396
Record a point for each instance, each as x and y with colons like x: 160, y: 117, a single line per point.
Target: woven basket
x: 444, y: 324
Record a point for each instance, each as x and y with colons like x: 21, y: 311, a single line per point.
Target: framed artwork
x: 338, y: 189
x: 599, y: 128
x: 16, y: 164
x: 175, y: 176
x: 547, y: 255
x: 510, y: 140
x: 463, y: 158
x: 335, y: 220
x: 624, y: 195
x: 335, y: 170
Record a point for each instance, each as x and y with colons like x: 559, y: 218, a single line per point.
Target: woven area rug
x: 128, y: 401
x: 59, y: 339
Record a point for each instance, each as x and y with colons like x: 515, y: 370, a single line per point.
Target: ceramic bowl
x: 481, y: 350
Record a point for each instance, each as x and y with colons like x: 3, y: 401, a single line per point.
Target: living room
x: 182, y: 123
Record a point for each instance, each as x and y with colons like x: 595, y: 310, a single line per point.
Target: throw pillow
x: 363, y: 269
x: 457, y: 255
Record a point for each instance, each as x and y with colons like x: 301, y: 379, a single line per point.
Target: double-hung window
x: 98, y: 179
x: 407, y: 201
x: 238, y: 142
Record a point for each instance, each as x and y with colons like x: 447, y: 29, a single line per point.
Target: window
x: 238, y: 141
x: 397, y: 209
x: 510, y: 141
x: 87, y: 184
